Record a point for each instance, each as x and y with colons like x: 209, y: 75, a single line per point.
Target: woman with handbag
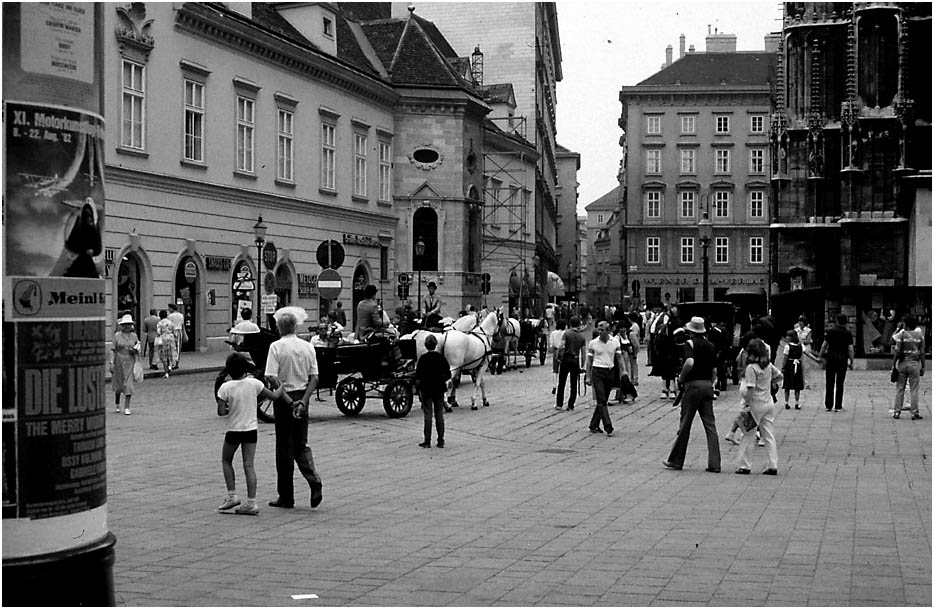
x: 761, y: 381
x: 126, y: 350
x: 165, y: 342
x: 908, y: 362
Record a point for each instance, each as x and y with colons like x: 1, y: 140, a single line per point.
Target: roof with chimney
x: 742, y: 68
x: 414, y: 52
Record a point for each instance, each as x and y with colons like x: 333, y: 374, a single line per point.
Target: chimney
x: 691, y: 49
x: 720, y: 43
x: 668, y: 55
x: 772, y: 41
x: 681, y: 39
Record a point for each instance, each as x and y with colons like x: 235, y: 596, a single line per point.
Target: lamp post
x: 704, y: 229
x: 419, y: 252
x: 259, y: 234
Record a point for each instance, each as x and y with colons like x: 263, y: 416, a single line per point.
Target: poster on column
x: 54, y: 331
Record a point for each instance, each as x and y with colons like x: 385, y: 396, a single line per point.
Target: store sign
x: 364, y: 240
x: 191, y: 271
x: 307, y: 285
x: 692, y: 280
x: 217, y: 263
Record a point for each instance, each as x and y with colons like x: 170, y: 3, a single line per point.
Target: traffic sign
x: 330, y: 254
x: 403, y: 279
x: 270, y: 255
x: 329, y: 284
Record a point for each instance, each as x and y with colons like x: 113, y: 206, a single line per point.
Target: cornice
x: 202, y: 21
x: 198, y: 189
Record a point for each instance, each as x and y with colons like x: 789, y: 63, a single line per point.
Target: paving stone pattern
x: 526, y: 507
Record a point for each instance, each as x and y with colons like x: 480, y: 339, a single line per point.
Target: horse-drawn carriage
x: 723, y: 330
x: 533, y: 339
x: 383, y: 369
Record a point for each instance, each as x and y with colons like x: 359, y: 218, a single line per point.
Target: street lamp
x: 704, y: 229
x: 419, y: 252
x: 259, y: 232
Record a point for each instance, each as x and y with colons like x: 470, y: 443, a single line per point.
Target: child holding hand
x: 236, y: 399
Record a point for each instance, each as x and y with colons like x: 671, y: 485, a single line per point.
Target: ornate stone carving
x: 133, y: 31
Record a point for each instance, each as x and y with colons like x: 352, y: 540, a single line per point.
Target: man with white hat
x: 697, y: 376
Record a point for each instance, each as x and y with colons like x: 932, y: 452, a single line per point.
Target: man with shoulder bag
x: 570, y: 353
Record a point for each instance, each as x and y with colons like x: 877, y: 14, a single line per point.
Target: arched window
x: 425, y: 227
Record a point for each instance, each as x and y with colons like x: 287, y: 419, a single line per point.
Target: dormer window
x: 328, y: 27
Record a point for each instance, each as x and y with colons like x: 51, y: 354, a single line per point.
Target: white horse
x: 464, y: 351
x: 511, y: 331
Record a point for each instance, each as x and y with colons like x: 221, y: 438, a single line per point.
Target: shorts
x: 236, y: 438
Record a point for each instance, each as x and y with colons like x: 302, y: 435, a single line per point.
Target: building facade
x: 603, y: 262
x: 348, y: 134
x: 850, y: 180
x: 568, y: 250
x: 219, y: 116
x: 520, y: 44
x: 696, y: 144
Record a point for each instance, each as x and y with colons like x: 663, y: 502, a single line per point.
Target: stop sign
x: 329, y: 284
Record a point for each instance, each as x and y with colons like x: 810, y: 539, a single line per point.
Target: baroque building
x: 349, y: 134
x: 519, y: 44
x: 850, y: 137
x: 695, y: 146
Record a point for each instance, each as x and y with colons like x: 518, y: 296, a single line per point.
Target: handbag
x: 158, y: 341
x: 893, y: 377
x: 746, y: 421
x: 138, y: 371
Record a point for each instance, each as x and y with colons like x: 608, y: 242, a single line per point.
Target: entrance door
x: 186, y: 294
x: 360, y: 280
x: 283, y: 287
x: 128, y: 289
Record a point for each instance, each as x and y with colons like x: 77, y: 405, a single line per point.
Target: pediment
x: 425, y: 191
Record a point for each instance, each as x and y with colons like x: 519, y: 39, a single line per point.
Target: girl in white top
x: 236, y: 399
x: 760, y: 382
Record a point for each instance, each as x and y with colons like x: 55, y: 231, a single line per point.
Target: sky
x: 608, y: 45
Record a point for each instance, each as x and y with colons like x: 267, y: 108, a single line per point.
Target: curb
x: 154, y: 374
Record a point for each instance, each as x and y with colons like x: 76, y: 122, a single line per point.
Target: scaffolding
x: 508, y: 231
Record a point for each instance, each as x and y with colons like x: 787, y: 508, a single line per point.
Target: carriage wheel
x: 264, y: 411
x: 350, y: 395
x: 397, y: 398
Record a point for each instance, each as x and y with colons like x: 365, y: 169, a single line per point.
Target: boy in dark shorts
x: 236, y: 399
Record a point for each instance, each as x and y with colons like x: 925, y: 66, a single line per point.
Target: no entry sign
x: 329, y: 284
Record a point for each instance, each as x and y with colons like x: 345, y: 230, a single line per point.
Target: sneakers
x: 118, y: 409
x: 664, y: 394
x: 126, y: 411
x: 897, y: 414
x: 558, y: 408
x: 229, y: 503
x: 250, y: 509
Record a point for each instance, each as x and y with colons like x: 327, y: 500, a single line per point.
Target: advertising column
x: 57, y: 549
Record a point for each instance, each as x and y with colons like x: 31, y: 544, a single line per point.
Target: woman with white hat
x: 126, y: 349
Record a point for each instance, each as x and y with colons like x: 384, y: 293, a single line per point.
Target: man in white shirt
x: 292, y: 363
x: 178, y: 321
x: 603, y: 354
x: 244, y: 326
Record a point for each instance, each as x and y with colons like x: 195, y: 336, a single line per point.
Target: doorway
x: 187, y: 291
x: 129, y: 275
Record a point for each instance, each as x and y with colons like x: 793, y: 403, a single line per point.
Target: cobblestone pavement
x: 525, y: 507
